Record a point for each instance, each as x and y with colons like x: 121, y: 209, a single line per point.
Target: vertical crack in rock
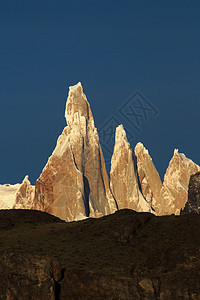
x: 123, y: 175
x: 76, y: 181
x: 149, y: 179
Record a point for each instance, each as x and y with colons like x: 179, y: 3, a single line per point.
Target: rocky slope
x: 123, y: 175
x: 174, y: 192
x: 149, y: 178
x: 74, y: 183
x: 125, y: 255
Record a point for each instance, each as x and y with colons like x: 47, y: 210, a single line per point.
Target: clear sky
x: 115, y: 48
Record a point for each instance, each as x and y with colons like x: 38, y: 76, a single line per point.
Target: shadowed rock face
x: 74, y: 183
x: 123, y: 175
x: 193, y: 203
x: 126, y: 255
x: 149, y: 178
x: 27, y: 276
x: 174, y: 192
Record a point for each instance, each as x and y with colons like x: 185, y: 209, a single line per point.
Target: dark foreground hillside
x: 126, y: 255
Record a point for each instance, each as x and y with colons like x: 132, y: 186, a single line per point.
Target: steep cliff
x: 149, y: 178
x: 123, y: 175
x: 74, y: 183
x: 193, y: 203
x: 174, y: 192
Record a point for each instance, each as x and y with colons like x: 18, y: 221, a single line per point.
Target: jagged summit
x: 121, y: 142
x: 123, y: 176
x: 74, y: 183
x: 182, y: 156
x: 140, y: 147
x: 25, y: 195
x: 19, y: 195
x: 150, y: 182
x: 120, y: 135
x: 77, y: 106
x: 174, y: 192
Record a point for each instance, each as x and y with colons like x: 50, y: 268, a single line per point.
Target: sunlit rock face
x: 149, y: 179
x: 74, y: 183
x: 25, y: 195
x: 123, y: 175
x: 174, y: 192
x: 19, y: 195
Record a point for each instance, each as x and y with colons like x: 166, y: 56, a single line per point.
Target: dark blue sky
x: 114, y: 48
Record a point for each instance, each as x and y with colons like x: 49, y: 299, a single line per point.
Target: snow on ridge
x: 8, y: 194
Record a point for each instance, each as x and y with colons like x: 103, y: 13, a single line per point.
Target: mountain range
x: 74, y: 183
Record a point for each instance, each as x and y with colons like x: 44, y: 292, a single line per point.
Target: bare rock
x: 147, y: 285
x: 123, y: 175
x: 25, y: 195
x: 174, y: 192
x: 19, y: 195
x: 74, y: 183
x: 149, y: 179
x: 193, y: 203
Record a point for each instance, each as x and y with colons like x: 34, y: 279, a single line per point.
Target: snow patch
x: 8, y: 194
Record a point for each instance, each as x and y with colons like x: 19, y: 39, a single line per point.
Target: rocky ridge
x: 174, y: 192
x: 74, y: 183
x: 25, y: 195
x: 149, y: 179
x: 19, y: 195
x: 123, y: 175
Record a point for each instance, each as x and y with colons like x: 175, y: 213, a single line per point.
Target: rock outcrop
x: 123, y: 175
x: 174, y: 192
x: 74, y: 183
x: 193, y: 203
x: 19, y: 195
x: 25, y: 195
x: 149, y: 179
